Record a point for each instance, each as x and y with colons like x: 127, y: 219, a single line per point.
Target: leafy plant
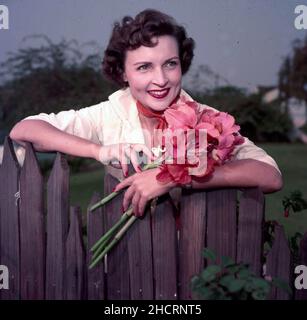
x: 294, y: 243
x: 231, y: 281
x: 294, y: 202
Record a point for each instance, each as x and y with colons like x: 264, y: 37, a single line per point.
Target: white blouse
x: 117, y: 121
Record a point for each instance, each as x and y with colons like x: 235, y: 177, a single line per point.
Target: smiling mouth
x: 159, y: 94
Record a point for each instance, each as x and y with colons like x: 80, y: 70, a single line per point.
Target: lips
x: 159, y: 94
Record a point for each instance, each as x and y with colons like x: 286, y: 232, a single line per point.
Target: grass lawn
x: 291, y: 158
x: 83, y: 185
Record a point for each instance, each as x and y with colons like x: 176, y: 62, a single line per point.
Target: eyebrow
x: 146, y: 62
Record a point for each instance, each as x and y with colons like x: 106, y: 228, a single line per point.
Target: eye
x: 172, y: 63
x: 143, y: 67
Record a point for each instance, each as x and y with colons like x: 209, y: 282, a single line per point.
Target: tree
x: 293, y: 73
x: 49, y: 78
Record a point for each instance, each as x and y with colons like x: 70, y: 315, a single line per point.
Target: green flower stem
x: 150, y: 166
x: 114, y: 194
x: 104, y: 200
x: 109, y: 233
x: 116, y: 239
x: 101, y: 247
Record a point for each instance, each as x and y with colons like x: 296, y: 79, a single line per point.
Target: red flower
x: 221, y: 138
x: 182, y: 115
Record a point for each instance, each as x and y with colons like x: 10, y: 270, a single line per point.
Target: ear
x: 125, y: 77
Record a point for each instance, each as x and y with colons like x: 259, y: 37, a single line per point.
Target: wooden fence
x: 42, y: 244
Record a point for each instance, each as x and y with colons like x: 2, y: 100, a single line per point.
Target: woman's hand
x: 120, y: 155
x: 142, y: 187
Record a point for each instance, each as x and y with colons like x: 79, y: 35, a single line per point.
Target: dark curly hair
x: 133, y: 33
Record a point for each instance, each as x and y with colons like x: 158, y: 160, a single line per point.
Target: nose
x: 160, y: 78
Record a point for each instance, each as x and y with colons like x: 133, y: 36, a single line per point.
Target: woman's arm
x: 45, y: 137
x: 242, y: 174
x: 236, y: 174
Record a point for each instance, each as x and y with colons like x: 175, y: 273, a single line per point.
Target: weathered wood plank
x: 302, y: 293
x: 32, y: 231
x: 75, y: 258
x: 9, y: 220
x: 222, y: 222
x: 57, y: 225
x: 118, y: 284
x: 95, y: 229
x: 278, y: 263
x: 165, y: 250
x: 192, y: 239
x: 140, y: 259
x: 250, y: 229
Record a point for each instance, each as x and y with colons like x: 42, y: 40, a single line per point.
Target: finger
x: 125, y: 183
x: 135, y: 203
x: 134, y: 161
x: 142, y: 205
x: 124, y: 164
x: 128, y: 197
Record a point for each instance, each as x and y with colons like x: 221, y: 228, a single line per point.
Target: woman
x: 147, y: 57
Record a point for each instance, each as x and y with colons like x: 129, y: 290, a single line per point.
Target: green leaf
x: 259, y: 295
x: 226, y: 261
x: 282, y: 284
x: 209, y: 273
x: 233, y: 268
x: 244, y: 273
x: 205, y: 293
x: 209, y: 254
x: 236, y: 285
x: 261, y: 284
x: 226, y: 280
x: 249, y: 287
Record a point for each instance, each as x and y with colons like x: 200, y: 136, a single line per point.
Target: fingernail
x: 139, y: 168
x: 126, y: 174
x: 123, y: 209
x: 113, y: 190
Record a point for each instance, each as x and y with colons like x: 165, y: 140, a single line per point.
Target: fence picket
x: 95, y: 228
x: 118, y: 282
x: 250, y: 229
x: 75, y: 258
x: 222, y: 222
x: 279, y: 263
x: 9, y: 220
x: 192, y: 239
x: 140, y: 259
x: 57, y: 225
x: 165, y: 248
x: 32, y: 244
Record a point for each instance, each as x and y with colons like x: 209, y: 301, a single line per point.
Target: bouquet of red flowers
x: 195, y: 142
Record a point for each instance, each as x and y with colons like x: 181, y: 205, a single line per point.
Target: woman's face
x: 154, y: 73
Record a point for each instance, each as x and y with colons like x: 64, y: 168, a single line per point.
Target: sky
x: 245, y: 41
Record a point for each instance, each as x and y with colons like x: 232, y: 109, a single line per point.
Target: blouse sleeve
x: 85, y: 123
x: 248, y: 150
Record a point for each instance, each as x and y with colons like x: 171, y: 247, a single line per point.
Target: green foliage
x: 231, y: 281
x: 294, y: 202
x: 49, y: 78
